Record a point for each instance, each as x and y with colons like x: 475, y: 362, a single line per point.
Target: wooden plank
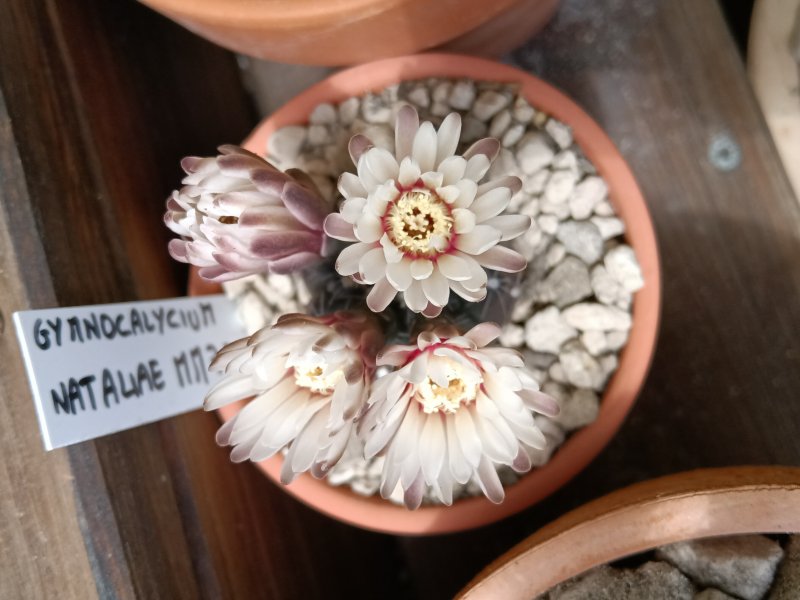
x: 102, y: 100
x: 42, y: 553
x: 665, y: 81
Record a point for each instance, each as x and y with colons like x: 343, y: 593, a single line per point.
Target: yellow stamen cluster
x: 313, y: 373
x: 419, y: 222
x: 462, y: 388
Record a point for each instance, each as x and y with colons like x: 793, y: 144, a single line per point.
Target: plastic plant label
x: 99, y: 369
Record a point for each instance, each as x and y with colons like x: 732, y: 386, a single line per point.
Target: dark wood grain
x: 101, y: 101
x: 664, y: 80
x: 98, y: 101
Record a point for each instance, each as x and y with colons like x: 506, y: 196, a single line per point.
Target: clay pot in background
x: 582, y: 446
x: 343, y: 32
x: 685, y: 506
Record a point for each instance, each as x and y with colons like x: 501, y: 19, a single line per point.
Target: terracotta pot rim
x: 281, y: 15
x: 582, y: 446
x: 678, y: 507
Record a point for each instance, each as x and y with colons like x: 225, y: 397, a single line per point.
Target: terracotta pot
x: 685, y: 506
x: 343, y: 32
x: 582, y: 446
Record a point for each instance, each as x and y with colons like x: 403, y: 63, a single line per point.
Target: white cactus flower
x: 308, y: 378
x: 420, y: 221
x: 452, y: 411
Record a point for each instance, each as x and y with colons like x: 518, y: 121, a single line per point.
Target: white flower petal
x: 436, y: 288
x: 491, y: 203
x: 484, y: 333
x: 372, y: 265
x: 353, y: 208
x: 368, y: 180
x: 347, y: 262
x: 447, y: 137
x: 415, y: 297
x: 406, y: 126
x: 380, y: 198
x: 489, y: 147
x: 540, y: 402
x: 448, y: 193
x: 381, y: 164
x: 380, y: 296
x: 453, y: 267
x: 452, y: 169
x: 392, y: 253
x: 432, y: 448
x: 432, y: 179
x: 463, y: 220
x: 409, y: 172
x: 510, y: 226
x: 467, y: 437
x: 421, y: 268
x: 512, y: 182
x: 489, y: 481
x: 476, y: 167
x: 350, y: 186
x: 424, y: 147
x: 466, y: 193
x: 459, y: 467
x: 368, y: 228
x: 336, y: 227
x: 468, y: 295
x: 502, y: 259
x: 399, y: 274
x: 479, y: 240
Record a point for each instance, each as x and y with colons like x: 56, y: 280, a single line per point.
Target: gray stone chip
x: 743, y: 566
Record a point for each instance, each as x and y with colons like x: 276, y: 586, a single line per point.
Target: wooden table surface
x: 99, y: 100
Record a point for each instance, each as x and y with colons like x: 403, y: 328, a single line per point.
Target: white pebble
x: 375, y: 110
x: 581, y: 369
x: 535, y: 184
x: 588, y: 193
x: 591, y: 316
x: 566, y: 160
x: 610, y: 227
x: 559, y: 188
x: 546, y: 331
x: 581, y: 238
x: 441, y: 91
x: 561, y: 133
x: 595, y: 342
x: 534, y: 153
x: 462, y: 95
x: 605, y: 287
x: 604, y: 209
x: 488, y: 104
x: 318, y: 135
x: 615, y: 340
x: 548, y: 224
x: 499, y: 124
x: 512, y: 135
x: 555, y: 254
x: 284, y: 144
x: 512, y: 336
x: 556, y: 373
x: 420, y: 97
x: 622, y: 266
x: 323, y: 114
x: 579, y: 410
x: 348, y: 110
x: 522, y: 111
